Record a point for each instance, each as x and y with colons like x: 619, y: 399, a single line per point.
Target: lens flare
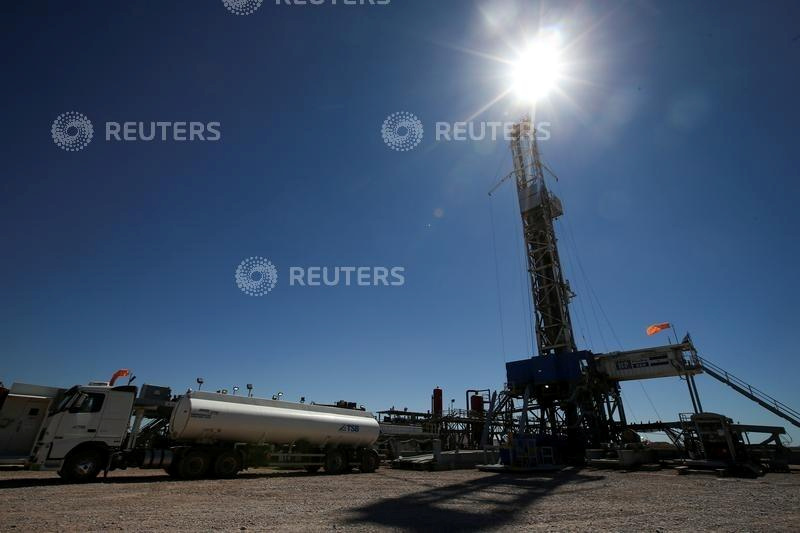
x: 537, y: 72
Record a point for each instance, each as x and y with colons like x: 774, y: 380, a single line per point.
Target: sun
x: 537, y: 71
x: 540, y: 71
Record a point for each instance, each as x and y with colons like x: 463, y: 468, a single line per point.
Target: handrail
x: 770, y: 403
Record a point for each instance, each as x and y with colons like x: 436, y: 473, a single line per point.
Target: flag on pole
x: 655, y: 328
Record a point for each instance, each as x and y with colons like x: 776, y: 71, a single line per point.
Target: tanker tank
x: 210, y: 417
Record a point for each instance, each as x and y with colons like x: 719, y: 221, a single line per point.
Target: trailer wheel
x: 369, y: 461
x: 81, y: 466
x: 194, y: 464
x: 227, y: 464
x: 335, y: 462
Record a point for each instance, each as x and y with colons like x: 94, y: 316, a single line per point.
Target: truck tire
x: 194, y: 464
x: 227, y: 464
x: 335, y: 462
x: 82, y: 465
x: 172, y: 469
x: 369, y: 461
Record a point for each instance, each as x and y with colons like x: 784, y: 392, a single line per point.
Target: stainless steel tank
x: 210, y: 417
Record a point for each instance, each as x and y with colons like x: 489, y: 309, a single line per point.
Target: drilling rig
x: 564, y: 401
x: 565, y: 406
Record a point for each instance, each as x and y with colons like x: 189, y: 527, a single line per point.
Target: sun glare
x: 537, y: 72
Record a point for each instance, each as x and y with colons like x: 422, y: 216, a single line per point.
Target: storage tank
x: 476, y: 410
x: 436, y: 402
x: 476, y: 403
x: 209, y: 417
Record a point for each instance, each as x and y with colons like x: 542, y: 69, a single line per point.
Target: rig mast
x: 539, y: 208
x: 563, y: 403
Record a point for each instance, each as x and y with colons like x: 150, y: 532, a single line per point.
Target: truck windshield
x: 69, y: 396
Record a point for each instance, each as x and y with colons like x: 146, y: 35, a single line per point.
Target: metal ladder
x: 763, y: 399
x: 690, y: 435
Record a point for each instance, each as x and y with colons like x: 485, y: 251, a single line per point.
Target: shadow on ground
x: 19, y: 483
x: 456, y: 507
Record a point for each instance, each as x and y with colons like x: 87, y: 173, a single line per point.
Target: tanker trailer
x: 101, y: 427
x: 205, y: 428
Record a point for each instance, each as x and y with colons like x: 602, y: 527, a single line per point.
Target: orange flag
x: 655, y: 328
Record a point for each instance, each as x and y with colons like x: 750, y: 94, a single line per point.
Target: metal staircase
x: 763, y: 399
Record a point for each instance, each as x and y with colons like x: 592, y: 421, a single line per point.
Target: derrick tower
x: 539, y: 208
x: 563, y: 400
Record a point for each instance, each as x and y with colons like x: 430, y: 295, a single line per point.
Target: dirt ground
x: 586, y: 500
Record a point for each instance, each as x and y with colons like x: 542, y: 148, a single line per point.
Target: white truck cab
x: 84, y: 429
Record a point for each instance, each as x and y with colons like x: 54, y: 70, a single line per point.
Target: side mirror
x: 77, y: 405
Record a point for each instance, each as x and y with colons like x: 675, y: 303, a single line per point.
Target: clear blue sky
x: 676, y: 148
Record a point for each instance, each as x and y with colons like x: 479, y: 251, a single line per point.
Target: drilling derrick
x: 539, y: 208
x: 564, y: 401
x: 565, y: 405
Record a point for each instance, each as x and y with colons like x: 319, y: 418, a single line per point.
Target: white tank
x: 209, y: 417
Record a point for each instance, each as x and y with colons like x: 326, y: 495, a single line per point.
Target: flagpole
x: 675, y: 330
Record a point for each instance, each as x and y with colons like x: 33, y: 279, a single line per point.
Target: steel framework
x: 571, y: 408
x: 539, y: 208
x: 564, y: 400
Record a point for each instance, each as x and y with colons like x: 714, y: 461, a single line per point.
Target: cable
x: 497, y: 281
x: 529, y: 334
x: 592, y: 293
x: 627, y: 405
x: 582, y: 324
x: 586, y: 283
x: 651, y: 401
x: 593, y: 298
x: 497, y: 268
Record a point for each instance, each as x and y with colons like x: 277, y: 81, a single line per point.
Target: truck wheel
x: 194, y: 464
x: 369, y: 461
x: 335, y: 462
x: 311, y: 469
x: 81, y: 466
x: 172, y: 469
x: 227, y: 464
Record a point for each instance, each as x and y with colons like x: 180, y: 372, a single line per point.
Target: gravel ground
x: 587, y: 500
